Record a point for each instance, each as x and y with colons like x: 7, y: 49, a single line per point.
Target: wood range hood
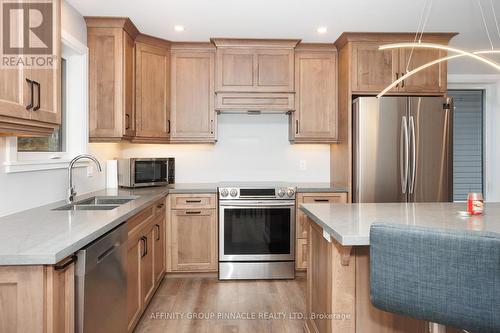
x: 254, y: 76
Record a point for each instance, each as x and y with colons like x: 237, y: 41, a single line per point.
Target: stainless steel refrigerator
x: 402, y: 149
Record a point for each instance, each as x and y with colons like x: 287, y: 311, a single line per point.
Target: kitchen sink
x: 98, y: 203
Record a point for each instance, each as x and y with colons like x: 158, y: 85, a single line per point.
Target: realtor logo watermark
x: 27, y: 35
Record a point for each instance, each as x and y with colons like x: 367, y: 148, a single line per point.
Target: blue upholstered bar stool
x: 441, y: 276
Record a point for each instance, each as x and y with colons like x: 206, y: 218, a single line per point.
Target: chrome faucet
x: 71, y: 188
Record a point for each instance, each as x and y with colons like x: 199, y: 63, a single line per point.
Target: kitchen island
x: 338, y: 294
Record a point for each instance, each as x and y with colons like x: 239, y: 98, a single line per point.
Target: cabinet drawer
x: 326, y: 198
x: 193, y: 201
x: 159, y: 207
x: 138, y: 220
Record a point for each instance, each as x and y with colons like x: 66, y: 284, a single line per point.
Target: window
x: 54, y: 152
x: 468, y: 140
x: 55, y: 142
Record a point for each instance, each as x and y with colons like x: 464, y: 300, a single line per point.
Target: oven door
x: 256, y: 230
x: 147, y: 172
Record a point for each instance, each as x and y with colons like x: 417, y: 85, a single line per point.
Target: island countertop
x: 349, y: 224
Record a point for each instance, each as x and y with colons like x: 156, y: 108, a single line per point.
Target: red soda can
x: 475, y: 203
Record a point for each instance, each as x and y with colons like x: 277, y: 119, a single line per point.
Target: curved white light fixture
x: 461, y: 53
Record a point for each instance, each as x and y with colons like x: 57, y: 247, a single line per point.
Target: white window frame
x: 76, y: 129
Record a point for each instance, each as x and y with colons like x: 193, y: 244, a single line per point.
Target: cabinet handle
x: 212, y: 126
x: 37, y: 107
x: 29, y: 106
x: 168, y: 126
x: 397, y: 77
x: 127, y: 121
x: 402, y: 82
x: 160, y: 205
x: 297, y: 126
x: 157, y: 226
x: 193, y: 201
x: 193, y: 212
x: 144, y: 240
x: 321, y: 200
x: 66, y: 263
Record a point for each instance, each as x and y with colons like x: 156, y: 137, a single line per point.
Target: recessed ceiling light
x: 322, y: 30
x: 179, y: 28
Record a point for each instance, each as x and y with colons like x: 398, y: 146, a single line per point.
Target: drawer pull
x: 321, y: 200
x: 193, y: 201
x: 144, y: 240
x: 158, y: 232
x: 160, y: 205
x: 193, y: 212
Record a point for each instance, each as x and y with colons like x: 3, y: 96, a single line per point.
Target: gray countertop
x: 349, y: 224
x: 42, y: 236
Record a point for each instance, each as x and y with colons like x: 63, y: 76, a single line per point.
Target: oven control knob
x: 224, y: 192
x: 290, y: 192
x: 281, y: 192
x: 234, y: 192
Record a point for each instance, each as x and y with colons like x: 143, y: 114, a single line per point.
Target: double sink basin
x: 98, y: 203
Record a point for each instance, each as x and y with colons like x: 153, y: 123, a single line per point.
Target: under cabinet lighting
x: 179, y: 28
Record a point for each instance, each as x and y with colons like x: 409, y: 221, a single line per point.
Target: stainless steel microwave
x: 140, y: 172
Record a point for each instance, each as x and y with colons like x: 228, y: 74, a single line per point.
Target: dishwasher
x: 101, y: 284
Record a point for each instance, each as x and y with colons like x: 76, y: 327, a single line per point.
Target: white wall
x: 250, y: 148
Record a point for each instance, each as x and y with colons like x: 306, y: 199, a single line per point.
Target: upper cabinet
x: 254, y: 74
x: 30, y: 96
x: 111, y: 78
x: 315, y: 116
x: 192, y: 113
x: 152, y: 96
x: 372, y: 70
x: 247, y: 65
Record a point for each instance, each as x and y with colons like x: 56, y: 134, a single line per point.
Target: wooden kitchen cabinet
x: 302, y: 223
x: 372, y: 70
x: 192, y: 228
x: 33, y: 109
x: 152, y: 90
x: 192, y: 117
x: 145, y: 259
x: 253, y: 65
x: 111, y: 78
x: 37, y: 299
x: 315, y: 117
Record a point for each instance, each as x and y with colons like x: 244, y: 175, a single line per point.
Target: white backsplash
x: 249, y: 148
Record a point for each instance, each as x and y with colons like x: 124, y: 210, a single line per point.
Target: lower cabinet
x: 37, y: 299
x: 145, y: 259
x: 302, y: 225
x: 193, y: 232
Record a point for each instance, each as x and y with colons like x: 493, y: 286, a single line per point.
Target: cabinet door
x: 128, y: 84
x: 254, y: 70
x: 159, y: 248
x: 105, y: 83
x: 147, y: 265
x: 372, y: 69
x: 235, y: 70
x: 194, y: 240
x: 193, y: 109
x: 15, y: 93
x: 316, y: 97
x: 134, y: 298
x: 152, y: 91
x: 429, y: 80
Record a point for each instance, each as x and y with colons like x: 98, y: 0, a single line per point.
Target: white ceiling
x: 203, y: 19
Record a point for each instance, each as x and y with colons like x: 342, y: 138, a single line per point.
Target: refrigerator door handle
x: 404, y: 154
x: 413, y: 155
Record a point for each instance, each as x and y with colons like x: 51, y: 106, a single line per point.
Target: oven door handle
x: 233, y: 204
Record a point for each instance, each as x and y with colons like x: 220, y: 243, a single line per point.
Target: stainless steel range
x: 256, y: 232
